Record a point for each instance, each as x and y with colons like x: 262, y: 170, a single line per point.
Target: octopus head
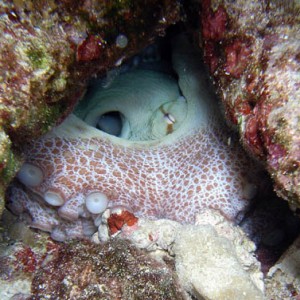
x: 139, y: 105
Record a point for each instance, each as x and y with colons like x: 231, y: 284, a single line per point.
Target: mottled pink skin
x: 173, y: 181
x: 198, y: 165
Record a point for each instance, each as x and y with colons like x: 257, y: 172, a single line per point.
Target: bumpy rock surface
x: 283, y: 280
x: 113, y: 271
x: 48, y: 51
x: 215, y: 272
x: 214, y: 259
x: 252, y: 50
x: 32, y: 266
x: 273, y: 227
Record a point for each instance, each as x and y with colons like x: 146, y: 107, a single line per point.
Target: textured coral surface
x: 50, y: 48
x: 113, y: 271
x: 252, y: 49
x: 32, y: 266
x: 43, y: 269
x: 283, y: 280
x: 214, y: 259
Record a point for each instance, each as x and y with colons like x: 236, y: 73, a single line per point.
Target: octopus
x: 150, y: 141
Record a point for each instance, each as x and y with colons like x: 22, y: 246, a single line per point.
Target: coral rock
x: 117, y: 221
x: 283, y: 279
x: 214, y: 259
x: 252, y: 50
x: 115, y: 270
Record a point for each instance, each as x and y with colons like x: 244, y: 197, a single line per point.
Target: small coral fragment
x: 117, y: 220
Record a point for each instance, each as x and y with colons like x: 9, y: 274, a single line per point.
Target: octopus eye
x: 111, y: 123
x: 133, y: 106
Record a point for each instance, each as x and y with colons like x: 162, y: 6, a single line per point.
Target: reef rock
x: 113, y: 271
x: 283, y: 279
x: 48, y: 51
x: 32, y: 266
x: 252, y: 50
x: 214, y: 259
x: 209, y: 268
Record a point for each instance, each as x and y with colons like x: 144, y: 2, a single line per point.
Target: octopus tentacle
x: 169, y: 157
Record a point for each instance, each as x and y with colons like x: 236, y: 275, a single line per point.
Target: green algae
x: 38, y: 57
